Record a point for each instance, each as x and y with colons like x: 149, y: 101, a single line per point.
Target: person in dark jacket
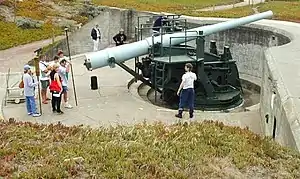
x: 96, y: 36
x: 120, y: 38
x: 159, y: 22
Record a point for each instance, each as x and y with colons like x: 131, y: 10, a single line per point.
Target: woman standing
x: 29, y: 91
x: 186, y: 91
x: 55, y: 89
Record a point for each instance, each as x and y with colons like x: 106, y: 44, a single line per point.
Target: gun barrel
x: 128, y: 51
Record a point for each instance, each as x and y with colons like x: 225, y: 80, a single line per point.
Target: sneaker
x: 60, y: 112
x: 191, y: 116
x: 29, y: 114
x: 178, y: 116
x: 68, y: 106
x: 36, y: 115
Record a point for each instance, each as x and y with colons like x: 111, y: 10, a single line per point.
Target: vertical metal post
x: 170, y: 49
x: 37, y: 71
x: 136, y: 59
x: 73, y: 80
x: 161, y: 40
x: 6, y: 91
x: 185, y: 36
x: 15, y: 6
x: 138, y: 28
x: 200, y: 46
x: 141, y: 31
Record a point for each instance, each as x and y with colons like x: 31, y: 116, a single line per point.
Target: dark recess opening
x: 274, y: 128
x: 267, y: 118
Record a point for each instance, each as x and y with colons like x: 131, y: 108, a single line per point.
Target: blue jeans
x: 30, y: 105
x: 187, y: 99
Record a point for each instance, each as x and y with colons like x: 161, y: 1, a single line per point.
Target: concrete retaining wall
x: 110, y: 21
x: 267, y: 53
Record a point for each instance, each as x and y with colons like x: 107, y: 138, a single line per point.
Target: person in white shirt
x: 96, y: 36
x: 44, y: 78
x: 186, y: 91
x: 55, y: 61
x: 61, y: 57
x: 62, y: 73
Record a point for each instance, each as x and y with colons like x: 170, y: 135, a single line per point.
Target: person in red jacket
x: 56, y: 89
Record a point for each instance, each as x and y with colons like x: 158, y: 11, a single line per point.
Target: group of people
x: 119, y: 38
x: 53, y: 76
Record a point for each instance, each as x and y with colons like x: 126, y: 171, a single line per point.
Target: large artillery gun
x: 163, y: 57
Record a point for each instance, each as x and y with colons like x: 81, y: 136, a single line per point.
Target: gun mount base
x: 220, y: 102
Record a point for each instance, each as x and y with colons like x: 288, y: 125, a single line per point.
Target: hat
x: 26, y: 67
x: 121, y: 30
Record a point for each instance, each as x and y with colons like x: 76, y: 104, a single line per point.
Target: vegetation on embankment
x: 11, y: 35
x: 163, y: 5
x: 53, y: 10
x: 283, y: 10
x: 33, y: 20
x: 207, y: 149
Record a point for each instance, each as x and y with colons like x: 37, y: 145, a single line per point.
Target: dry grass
x: 163, y: 5
x: 210, y: 150
x: 12, y: 36
x: 283, y: 10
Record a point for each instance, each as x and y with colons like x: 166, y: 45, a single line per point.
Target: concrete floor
x: 114, y: 104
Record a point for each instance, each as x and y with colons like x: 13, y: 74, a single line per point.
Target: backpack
x: 21, y: 84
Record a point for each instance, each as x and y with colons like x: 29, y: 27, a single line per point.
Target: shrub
x: 28, y: 23
x: 90, y: 11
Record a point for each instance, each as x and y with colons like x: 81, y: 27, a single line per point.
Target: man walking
x: 62, y: 73
x: 96, y: 36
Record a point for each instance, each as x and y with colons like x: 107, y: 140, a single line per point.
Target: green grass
x: 283, y: 10
x: 163, y: 5
x: 12, y: 36
x: 207, y: 149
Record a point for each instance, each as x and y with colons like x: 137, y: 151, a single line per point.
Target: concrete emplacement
x: 258, y: 48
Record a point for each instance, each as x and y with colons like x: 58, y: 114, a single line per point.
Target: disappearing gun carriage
x: 218, y: 85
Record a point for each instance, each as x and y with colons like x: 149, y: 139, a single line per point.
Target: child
x: 29, y: 91
x: 186, y: 91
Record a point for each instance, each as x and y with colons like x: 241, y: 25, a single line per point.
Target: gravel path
x: 16, y: 57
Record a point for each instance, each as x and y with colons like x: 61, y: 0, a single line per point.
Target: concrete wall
x: 265, y: 52
x: 110, y: 21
